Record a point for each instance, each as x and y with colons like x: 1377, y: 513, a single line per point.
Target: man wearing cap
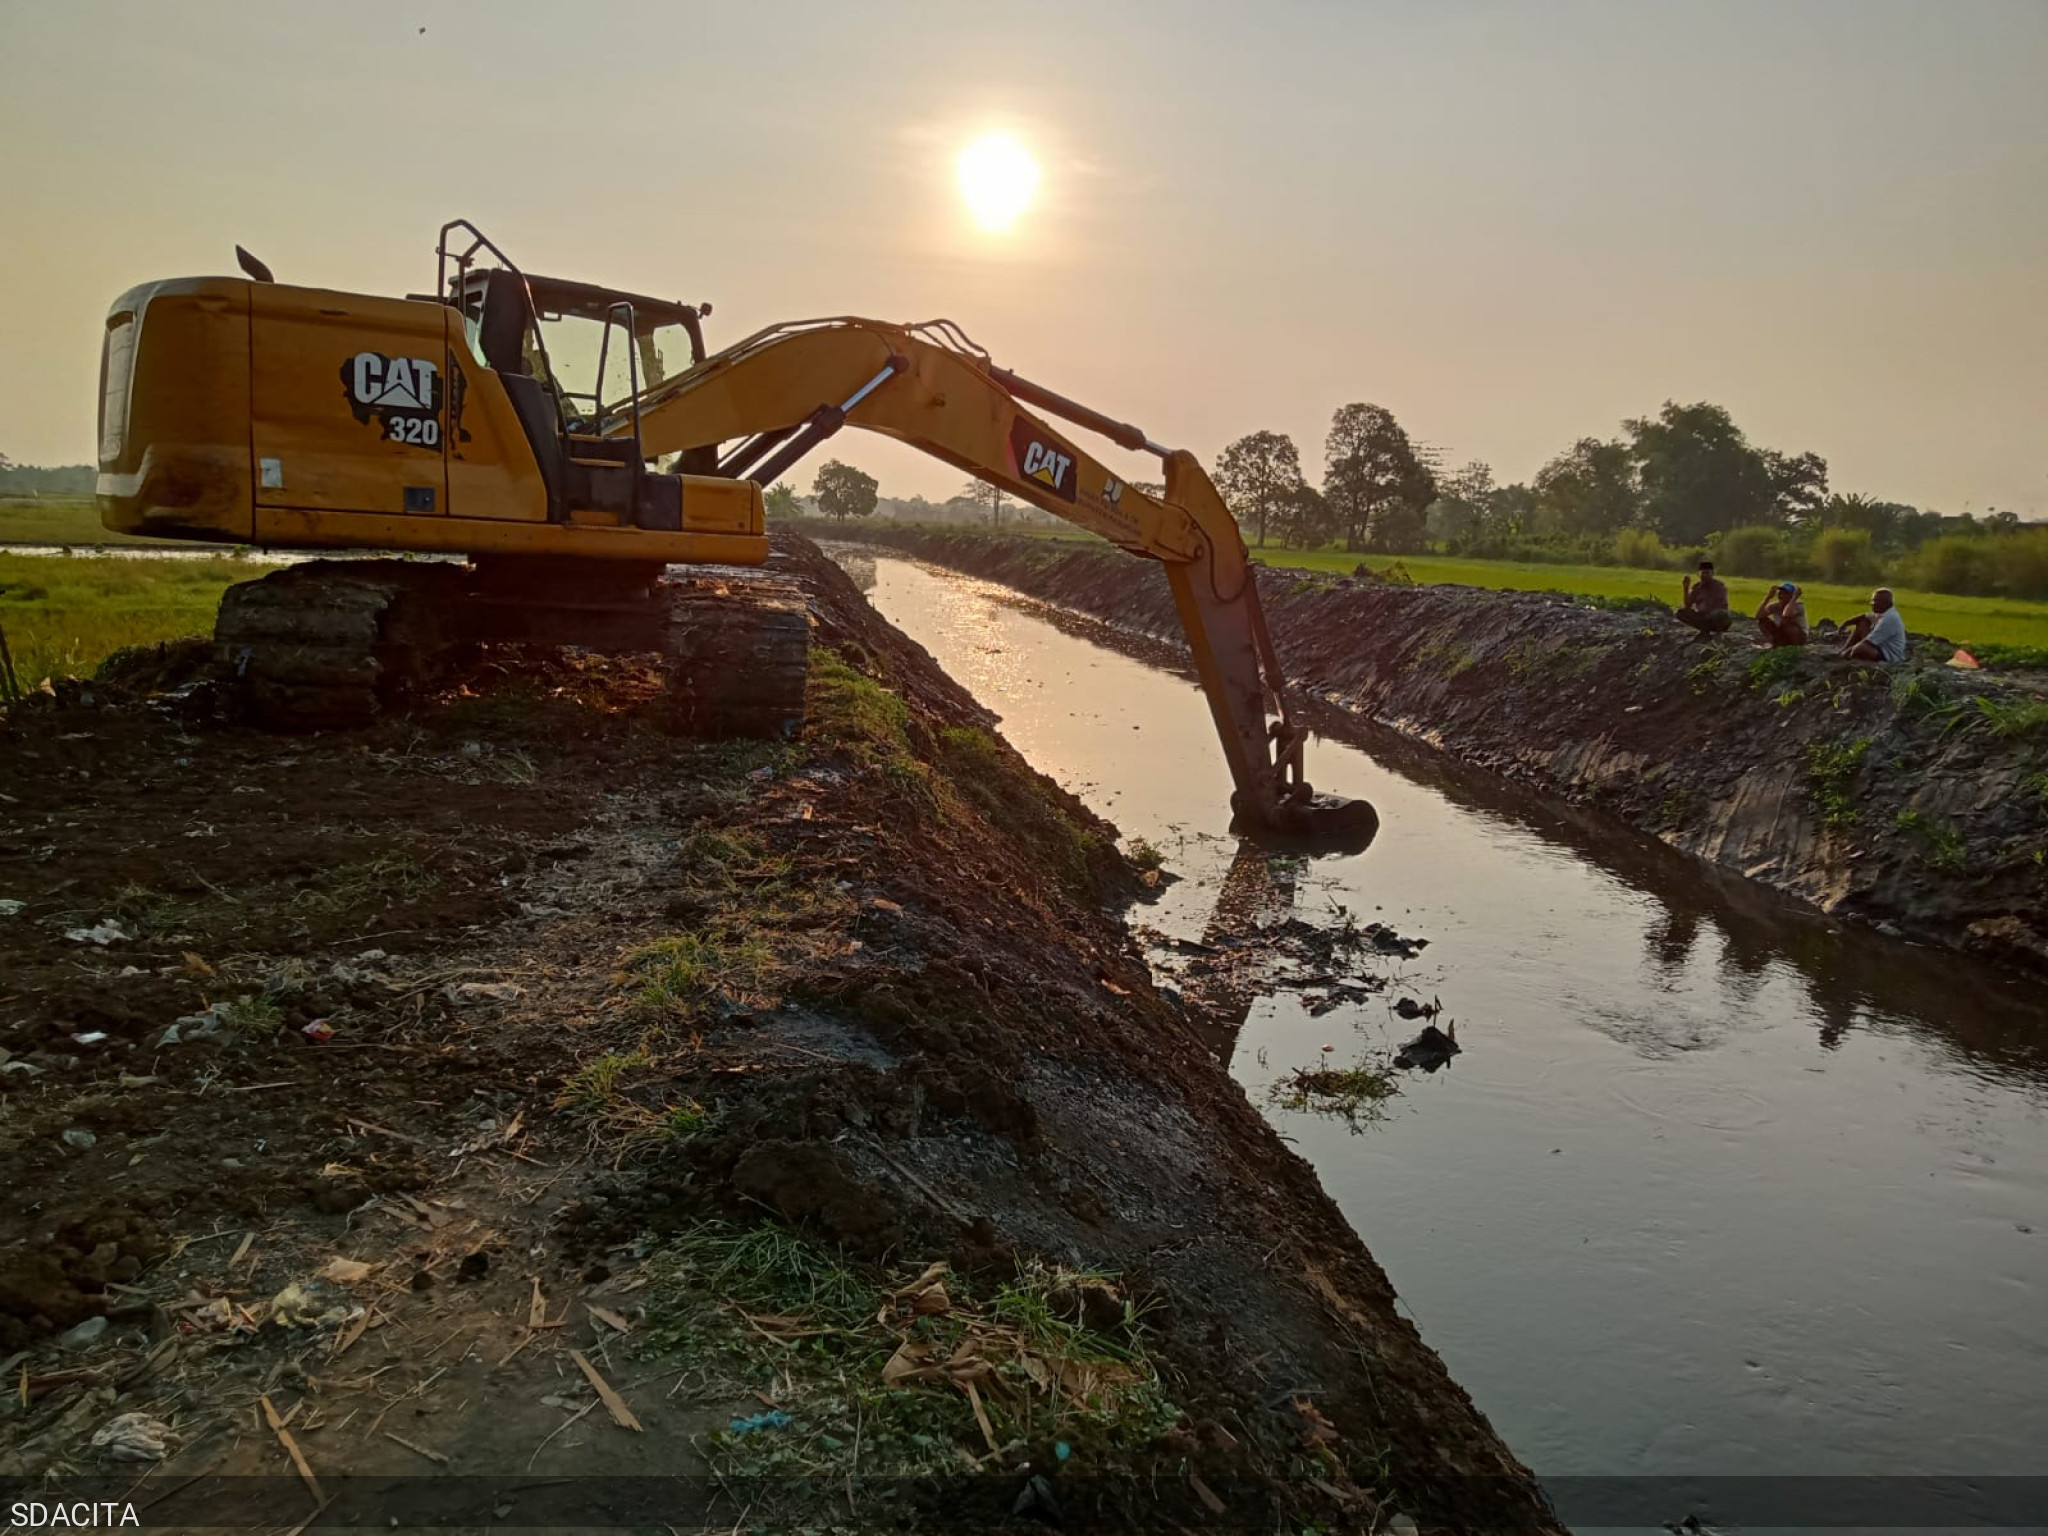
x: 1705, y: 606
x: 1782, y: 616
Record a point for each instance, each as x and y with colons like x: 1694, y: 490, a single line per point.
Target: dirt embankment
x: 373, y: 1096
x: 1912, y: 797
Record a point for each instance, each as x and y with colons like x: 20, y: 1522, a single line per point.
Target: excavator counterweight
x: 516, y: 421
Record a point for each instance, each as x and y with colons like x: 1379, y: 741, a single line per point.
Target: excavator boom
x: 513, y: 419
x: 782, y: 391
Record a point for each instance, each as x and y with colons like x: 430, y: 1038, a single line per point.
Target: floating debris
x: 1431, y: 1049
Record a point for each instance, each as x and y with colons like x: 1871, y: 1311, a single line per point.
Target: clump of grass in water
x: 1831, y: 770
x: 1145, y: 855
x: 1358, y: 1094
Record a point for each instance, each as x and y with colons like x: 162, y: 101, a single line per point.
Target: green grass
x: 1831, y: 773
x: 1358, y: 1094
x: 366, y: 885
x: 1054, y: 1355
x: 2015, y: 719
x: 1971, y: 621
x: 856, y: 712
x: 64, y: 615
x: 598, y: 1094
x: 1966, y: 620
x: 686, y: 970
x: 66, y: 520
x: 1941, y: 844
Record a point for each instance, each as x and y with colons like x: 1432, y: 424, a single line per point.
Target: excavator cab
x: 575, y: 360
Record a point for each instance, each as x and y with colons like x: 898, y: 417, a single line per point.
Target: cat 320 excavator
x: 513, y: 422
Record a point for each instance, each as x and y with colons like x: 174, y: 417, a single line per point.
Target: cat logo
x: 1036, y: 456
x: 402, y: 394
x: 393, y: 383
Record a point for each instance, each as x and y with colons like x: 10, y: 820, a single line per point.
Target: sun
x: 998, y: 179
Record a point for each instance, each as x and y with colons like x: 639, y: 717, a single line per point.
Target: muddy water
x: 1714, y: 1188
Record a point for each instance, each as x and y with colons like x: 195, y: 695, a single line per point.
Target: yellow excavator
x: 515, y: 422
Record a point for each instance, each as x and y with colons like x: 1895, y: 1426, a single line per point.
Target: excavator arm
x: 762, y: 404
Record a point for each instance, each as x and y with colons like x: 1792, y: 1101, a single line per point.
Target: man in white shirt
x: 1879, y: 635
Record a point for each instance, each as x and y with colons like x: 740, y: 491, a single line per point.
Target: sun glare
x: 997, y: 179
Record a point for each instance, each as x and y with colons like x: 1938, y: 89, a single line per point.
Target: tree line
x: 1667, y: 490
x: 41, y: 480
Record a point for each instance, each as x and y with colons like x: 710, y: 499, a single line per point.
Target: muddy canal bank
x: 407, y: 1083
x: 1914, y: 798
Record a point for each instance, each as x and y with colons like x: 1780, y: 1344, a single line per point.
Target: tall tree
x: 1471, y: 483
x: 1591, y: 487
x: 1698, y: 473
x: 1799, y: 484
x: 1302, y: 520
x: 844, y: 491
x: 781, y: 500
x: 1459, y: 510
x: 1257, y: 475
x: 1374, y: 481
x: 1510, y: 510
x: 986, y: 499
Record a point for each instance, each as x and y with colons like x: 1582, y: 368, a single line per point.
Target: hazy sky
x: 1513, y: 222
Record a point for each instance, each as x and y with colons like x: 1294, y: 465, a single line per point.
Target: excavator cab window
x: 585, y: 330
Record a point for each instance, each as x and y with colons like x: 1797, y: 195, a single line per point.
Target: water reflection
x: 1702, y: 915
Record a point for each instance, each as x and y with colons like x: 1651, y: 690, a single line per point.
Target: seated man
x: 1705, y: 607
x: 1879, y: 635
x: 1782, y: 617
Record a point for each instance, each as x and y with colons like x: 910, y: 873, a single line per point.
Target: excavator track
x: 330, y: 644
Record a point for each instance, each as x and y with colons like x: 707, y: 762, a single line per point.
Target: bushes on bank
x: 2008, y: 563
x: 1641, y: 549
x: 1957, y: 564
x: 1844, y: 554
x: 1751, y: 551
